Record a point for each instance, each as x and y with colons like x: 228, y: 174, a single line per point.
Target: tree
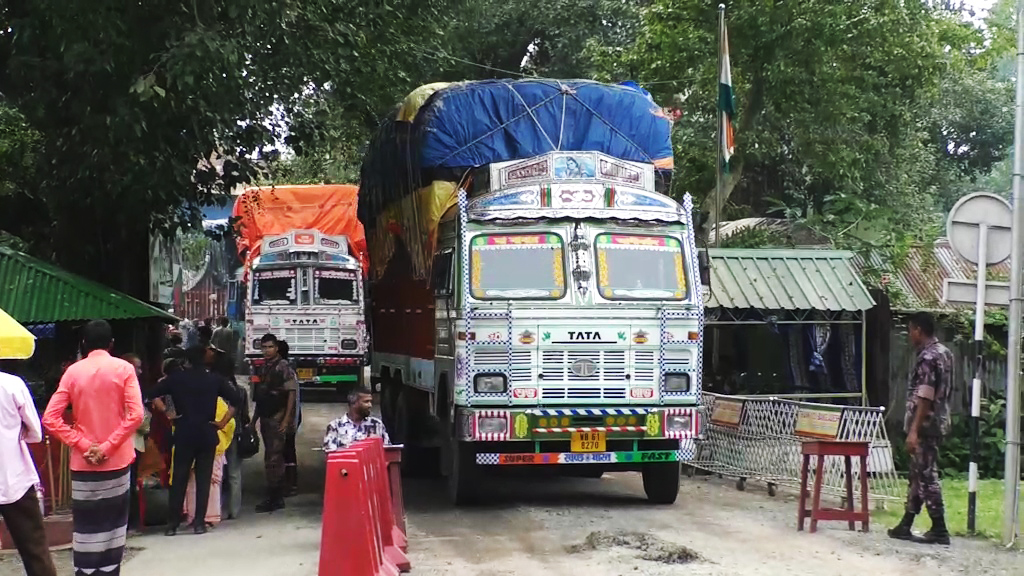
x: 478, y: 39
x: 845, y: 108
x: 147, y: 112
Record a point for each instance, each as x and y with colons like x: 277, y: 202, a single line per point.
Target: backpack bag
x: 248, y: 442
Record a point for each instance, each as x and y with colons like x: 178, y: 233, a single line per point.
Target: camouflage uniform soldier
x: 926, y: 423
x: 274, y: 395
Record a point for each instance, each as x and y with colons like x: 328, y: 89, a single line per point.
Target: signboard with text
x: 727, y: 413
x: 820, y: 423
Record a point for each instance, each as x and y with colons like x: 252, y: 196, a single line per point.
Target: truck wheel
x: 386, y: 401
x: 400, y: 419
x: 661, y: 482
x: 462, y: 477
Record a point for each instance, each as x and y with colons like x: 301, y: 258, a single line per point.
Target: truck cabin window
x: 334, y: 287
x: 517, y: 266
x: 633, y: 267
x: 274, y: 288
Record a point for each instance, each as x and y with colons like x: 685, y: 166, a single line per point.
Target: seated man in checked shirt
x: 356, y: 424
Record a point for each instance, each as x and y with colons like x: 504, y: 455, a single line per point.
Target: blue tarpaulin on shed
x: 477, y: 123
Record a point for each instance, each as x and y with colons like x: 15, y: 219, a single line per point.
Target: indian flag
x: 726, y: 104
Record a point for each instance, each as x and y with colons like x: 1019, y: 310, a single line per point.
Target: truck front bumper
x: 321, y: 371
x: 541, y: 436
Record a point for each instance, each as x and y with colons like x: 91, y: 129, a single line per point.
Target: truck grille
x: 312, y: 340
x: 608, y: 382
x: 519, y: 369
x: 645, y: 367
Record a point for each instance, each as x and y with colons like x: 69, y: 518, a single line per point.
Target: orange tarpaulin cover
x: 329, y: 208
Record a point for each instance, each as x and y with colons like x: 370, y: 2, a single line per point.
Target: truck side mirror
x: 704, y: 264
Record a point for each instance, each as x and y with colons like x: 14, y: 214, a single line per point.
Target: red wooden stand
x: 848, y: 451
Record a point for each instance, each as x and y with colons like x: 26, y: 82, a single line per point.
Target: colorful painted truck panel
x: 536, y: 310
x: 305, y: 255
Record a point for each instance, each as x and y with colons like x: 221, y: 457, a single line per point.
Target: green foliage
x: 19, y: 145
x: 146, y: 112
x: 996, y: 324
x: 955, y: 454
x: 860, y: 120
x: 514, y: 38
x: 195, y: 250
x: 758, y: 237
x: 851, y: 114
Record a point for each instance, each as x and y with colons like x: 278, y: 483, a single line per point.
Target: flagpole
x: 721, y: 135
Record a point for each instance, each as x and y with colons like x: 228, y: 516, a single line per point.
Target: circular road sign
x: 964, y: 224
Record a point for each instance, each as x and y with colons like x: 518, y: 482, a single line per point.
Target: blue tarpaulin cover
x: 476, y: 123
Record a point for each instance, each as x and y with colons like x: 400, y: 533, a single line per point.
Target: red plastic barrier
x: 359, y: 535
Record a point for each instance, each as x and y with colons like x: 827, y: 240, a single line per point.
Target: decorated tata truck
x: 304, y: 252
x: 535, y: 295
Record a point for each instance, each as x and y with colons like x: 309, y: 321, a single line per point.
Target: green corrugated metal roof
x: 786, y: 280
x: 36, y: 292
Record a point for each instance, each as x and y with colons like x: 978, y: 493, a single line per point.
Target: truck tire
x: 661, y: 482
x: 418, y: 461
x: 389, y: 403
x: 462, y: 477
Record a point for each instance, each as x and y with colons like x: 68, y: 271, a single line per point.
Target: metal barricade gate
x: 758, y: 438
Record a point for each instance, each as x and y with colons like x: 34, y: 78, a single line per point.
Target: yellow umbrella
x: 15, y: 341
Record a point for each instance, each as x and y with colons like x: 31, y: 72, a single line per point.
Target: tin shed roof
x: 37, y: 292
x: 770, y: 279
x: 916, y: 284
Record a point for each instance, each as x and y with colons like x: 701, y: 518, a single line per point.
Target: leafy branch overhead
x: 861, y: 120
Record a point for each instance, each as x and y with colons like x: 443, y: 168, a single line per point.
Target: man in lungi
x: 106, y: 409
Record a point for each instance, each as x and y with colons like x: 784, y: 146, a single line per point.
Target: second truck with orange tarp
x: 304, y: 251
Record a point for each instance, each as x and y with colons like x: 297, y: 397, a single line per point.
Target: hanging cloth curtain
x: 820, y: 334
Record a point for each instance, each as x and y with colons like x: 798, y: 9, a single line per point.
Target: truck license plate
x: 306, y: 374
x: 593, y: 441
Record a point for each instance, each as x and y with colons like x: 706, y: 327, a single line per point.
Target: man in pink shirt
x: 19, y: 503
x: 106, y: 408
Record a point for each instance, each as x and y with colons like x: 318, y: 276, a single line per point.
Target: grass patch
x: 988, y: 518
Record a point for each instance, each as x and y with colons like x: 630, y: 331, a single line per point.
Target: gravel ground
x: 563, y: 526
x: 604, y: 528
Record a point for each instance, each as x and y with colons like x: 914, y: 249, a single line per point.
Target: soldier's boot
x: 902, y: 530
x: 938, y: 534
x: 273, y: 502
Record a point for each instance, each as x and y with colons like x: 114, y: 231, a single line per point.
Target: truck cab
x: 568, y: 322
x: 306, y: 289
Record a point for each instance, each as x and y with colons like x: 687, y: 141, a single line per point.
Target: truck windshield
x: 334, y: 287
x: 505, y: 266
x: 633, y: 267
x: 274, y: 287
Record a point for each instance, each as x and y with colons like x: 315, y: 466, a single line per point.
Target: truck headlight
x: 678, y: 423
x: 256, y: 344
x: 489, y: 383
x: 349, y: 344
x: 677, y: 382
x: 490, y: 425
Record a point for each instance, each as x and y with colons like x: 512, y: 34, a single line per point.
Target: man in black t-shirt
x: 194, y: 391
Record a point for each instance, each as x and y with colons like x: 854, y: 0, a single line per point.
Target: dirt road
x: 604, y: 528
x: 564, y: 527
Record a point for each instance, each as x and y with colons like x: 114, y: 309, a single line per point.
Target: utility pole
x: 1011, y: 471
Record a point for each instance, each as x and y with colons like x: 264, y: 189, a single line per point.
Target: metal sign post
x: 1011, y: 470
x: 979, y: 231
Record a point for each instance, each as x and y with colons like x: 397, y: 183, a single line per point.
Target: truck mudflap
x: 625, y: 436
